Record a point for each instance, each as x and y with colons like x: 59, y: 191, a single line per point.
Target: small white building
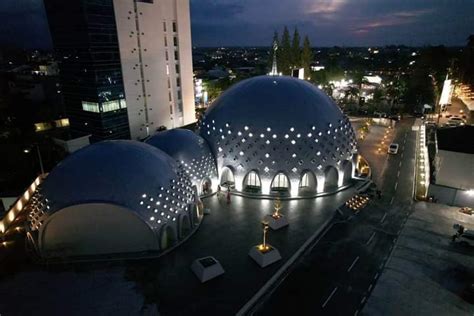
x: 454, y: 166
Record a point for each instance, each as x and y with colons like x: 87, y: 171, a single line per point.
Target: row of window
x: 107, y: 106
x: 175, y: 27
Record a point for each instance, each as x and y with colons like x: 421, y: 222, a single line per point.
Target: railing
x: 19, y: 205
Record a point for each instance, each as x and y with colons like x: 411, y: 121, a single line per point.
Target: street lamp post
x: 38, y: 153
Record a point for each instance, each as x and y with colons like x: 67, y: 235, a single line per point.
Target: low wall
x: 451, y: 196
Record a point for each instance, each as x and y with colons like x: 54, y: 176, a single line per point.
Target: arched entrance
x: 308, y: 183
x: 280, y: 184
x: 206, y: 186
x: 252, y: 183
x: 347, y: 172
x: 227, y: 177
x: 331, y: 178
x: 167, y: 238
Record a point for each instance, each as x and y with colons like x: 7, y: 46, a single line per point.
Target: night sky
x: 252, y: 22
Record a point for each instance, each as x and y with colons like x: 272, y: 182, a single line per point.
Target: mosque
x: 264, y: 137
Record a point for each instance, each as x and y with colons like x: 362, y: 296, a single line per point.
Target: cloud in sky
x: 252, y: 22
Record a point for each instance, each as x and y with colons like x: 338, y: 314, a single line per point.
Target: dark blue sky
x: 252, y: 22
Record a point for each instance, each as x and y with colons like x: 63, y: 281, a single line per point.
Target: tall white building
x: 155, y: 51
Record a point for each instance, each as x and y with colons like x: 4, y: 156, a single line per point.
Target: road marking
x: 391, y: 201
x: 376, y: 276
x: 383, y: 218
x: 356, y: 313
x: 363, y: 300
x: 370, y: 288
x: 396, y: 185
x: 398, y: 173
x: 381, y: 266
x: 329, y: 297
x: 370, y: 239
x: 401, y: 155
x: 400, y: 164
x: 353, y: 264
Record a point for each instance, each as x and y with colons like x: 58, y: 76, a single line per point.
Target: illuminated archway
x: 252, y: 182
x: 347, y: 172
x: 227, y: 177
x: 331, y: 177
x: 280, y: 183
x: 308, y: 183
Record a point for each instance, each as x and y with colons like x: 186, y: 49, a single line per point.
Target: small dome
x: 278, y: 126
x: 190, y: 150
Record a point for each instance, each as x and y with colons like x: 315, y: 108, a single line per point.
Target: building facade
x: 126, y: 65
x: 155, y: 51
x: 84, y: 35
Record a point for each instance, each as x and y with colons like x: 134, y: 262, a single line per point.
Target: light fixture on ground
x: 207, y: 268
x: 276, y: 220
x: 264, y: 254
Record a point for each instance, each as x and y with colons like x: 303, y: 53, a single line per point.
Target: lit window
x: 90, y: 106
x: 269, y: 129
x: 286, y: 136
x: 241, y: 153
x: 274, y: 136
x: 110, y: 106
x: 293, y: 141
x: 250, y: 135
x: 292, y: 129
x: 309, y: 134
x: 267, y: 155
x: 246, y: 128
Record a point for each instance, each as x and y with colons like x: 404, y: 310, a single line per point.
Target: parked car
x: 463, y: 235
x: 393, y: 149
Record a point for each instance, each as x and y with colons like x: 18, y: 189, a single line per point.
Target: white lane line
x: 370, y: 288
x: 391, y: 201
x: 398, y: 173
x: 383, y: 218
x: 376, y: 276
x: 370, y: 239
x: 353, y: 264
x: 401, y: 155
x: 400, y: 164
x: 396, y: 185
x: 329, y: 297
x: 363, y: 300
x: 356, y: 313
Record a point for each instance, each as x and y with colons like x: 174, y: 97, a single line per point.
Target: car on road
x: 393, y: 149
x: 456, y: 121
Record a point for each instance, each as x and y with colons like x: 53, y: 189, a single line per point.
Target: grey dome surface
x: 188, y: 149
x: 273, y: 124
x: 281, y: 102
x: 122, y: 172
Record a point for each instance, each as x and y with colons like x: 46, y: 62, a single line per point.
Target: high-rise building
x: 84, y: 34
x: 126, y: 65
x: 155, y: 50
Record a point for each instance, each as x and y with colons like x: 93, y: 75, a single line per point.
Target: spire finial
x: 274, y: 71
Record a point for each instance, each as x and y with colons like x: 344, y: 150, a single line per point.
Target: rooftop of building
x: 459, y: 139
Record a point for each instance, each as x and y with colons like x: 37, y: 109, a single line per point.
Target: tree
x: 284, y: 56
x: 306, y: 57
x: 295, y: 57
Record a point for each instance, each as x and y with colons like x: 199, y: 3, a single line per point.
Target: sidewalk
x: 426, y: 274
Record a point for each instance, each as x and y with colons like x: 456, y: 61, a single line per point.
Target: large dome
x: 112, y: 197
x: 279, y: 126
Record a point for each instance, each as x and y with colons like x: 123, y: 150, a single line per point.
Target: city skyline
x: 246, y: 23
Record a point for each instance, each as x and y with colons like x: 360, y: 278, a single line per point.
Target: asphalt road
x: 336, y: 276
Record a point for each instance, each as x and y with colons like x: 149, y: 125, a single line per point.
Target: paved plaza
x: 166, y: 285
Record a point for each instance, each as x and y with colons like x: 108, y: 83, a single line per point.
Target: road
x: 336, y: 276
